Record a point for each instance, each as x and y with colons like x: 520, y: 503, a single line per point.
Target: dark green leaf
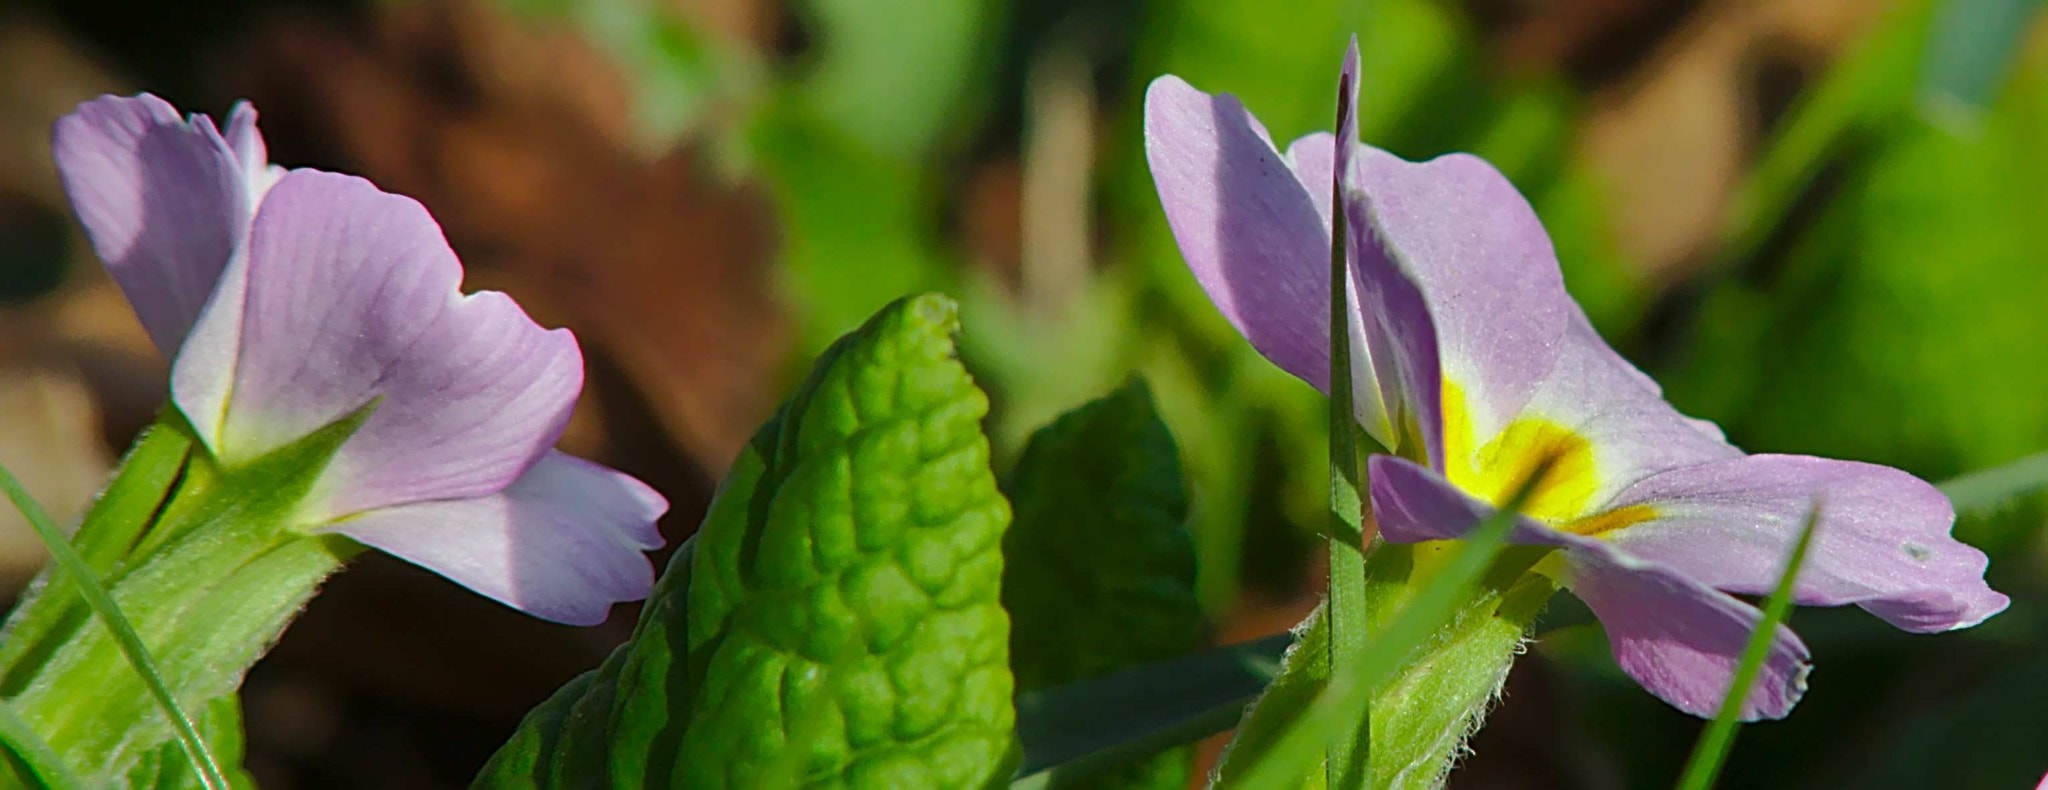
x: 1100, y: 570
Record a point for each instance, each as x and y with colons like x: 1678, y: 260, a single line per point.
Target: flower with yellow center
x: 1473, y: 366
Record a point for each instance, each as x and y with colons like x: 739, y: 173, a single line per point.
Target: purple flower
x: 290, y: 300
x: 1474, y: 364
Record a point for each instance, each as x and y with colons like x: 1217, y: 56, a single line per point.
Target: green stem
x: 208, y: 579
x: 1349, y: 753
x: 48, y: 611
x: 140, y: 487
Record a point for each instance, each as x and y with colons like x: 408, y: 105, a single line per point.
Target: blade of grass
x: 71, y: 563
x: 1986, y: 489
x: 1350, y: 747
x: 1079, y: 720
x: 32, y: 754
x: 1386, y: 651
x: 1711, y: 751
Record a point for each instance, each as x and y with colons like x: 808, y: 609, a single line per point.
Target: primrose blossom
x: 1474, y: 366
x: 291, y: 300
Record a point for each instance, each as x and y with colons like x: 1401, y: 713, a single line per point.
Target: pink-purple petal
x: 351, y: 298
x: 163, y: 200
x: 1401, y: 334
x: 1414, y: 503
x: 1678, y: 637
x: 1682, y: 640
x: 1246, y: 226
x: 250, y: 151
x: 1372, y: 392
x: 563, y: 542
x: 1882, y: 542
x: 1632, y: 431
x: 1486, y: 270
x: 1310, y: 156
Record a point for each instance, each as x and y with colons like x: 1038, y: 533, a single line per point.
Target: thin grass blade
x: 1710, y: 752
x: 1987, y: 489
x: 68, y: 559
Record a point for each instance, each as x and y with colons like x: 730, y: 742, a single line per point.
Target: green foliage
x: 1430, y: 686
x: 1099, y: 570
x: 839, y: 623
x: 1443, y: 623
x: 1432, y: 689
x: 1988, y: 489
x: 1304, y: 673
x: 95, y: 596
x: 28, y: 759
x: 207, y: 586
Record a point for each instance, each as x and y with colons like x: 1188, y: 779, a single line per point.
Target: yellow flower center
x: 1495, y: 471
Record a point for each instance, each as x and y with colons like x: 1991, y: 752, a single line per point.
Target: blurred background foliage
x: 1822, y: 224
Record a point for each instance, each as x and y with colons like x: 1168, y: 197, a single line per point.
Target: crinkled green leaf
x: 844, y: 625
x: 860, y: 609
x: 1100, y: 569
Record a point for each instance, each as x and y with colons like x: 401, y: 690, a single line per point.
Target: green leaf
x: 1100, y: 569
x: 839, y: 622
x: 1349, y: 750
x: 50, y: 608
x: 862, y: 596
x: 1108, y: 719
x: 1711, y: 750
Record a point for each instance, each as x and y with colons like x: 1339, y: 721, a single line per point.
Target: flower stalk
x: 208, y: 579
